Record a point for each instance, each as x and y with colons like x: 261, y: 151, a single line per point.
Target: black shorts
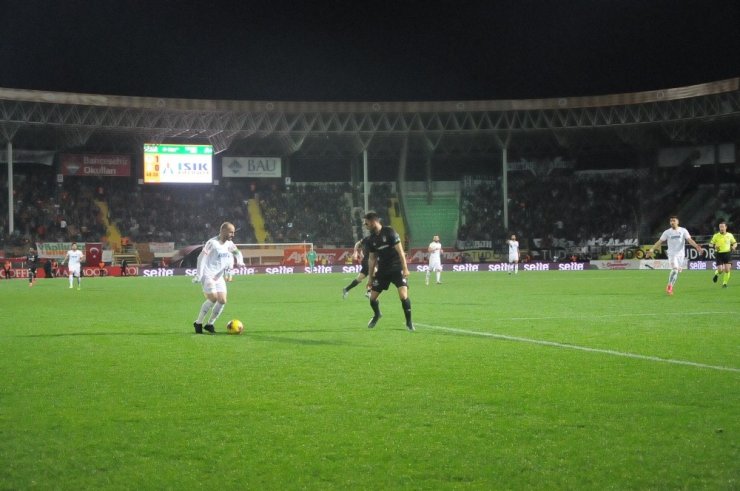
x: 723, y: 257
x: 382, y: 281
x: 364, y: 270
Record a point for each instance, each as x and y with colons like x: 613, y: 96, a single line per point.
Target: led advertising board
x: 172, y: 163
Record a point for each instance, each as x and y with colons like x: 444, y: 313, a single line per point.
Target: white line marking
x: 580, y: 348
x: 650, y: 314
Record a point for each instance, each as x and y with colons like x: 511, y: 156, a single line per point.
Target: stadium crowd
x: 317, y: 213
x: 558, y: 212
x: 44, y: 211
x: 554, y: 212
x: 179, y: 214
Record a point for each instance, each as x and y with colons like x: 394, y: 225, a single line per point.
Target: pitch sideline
x: 580, y: 348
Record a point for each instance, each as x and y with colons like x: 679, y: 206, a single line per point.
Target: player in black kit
x: 32, y: 259
x: 386, y: 253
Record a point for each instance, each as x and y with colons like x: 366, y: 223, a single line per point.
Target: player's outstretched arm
x: 655, y: 247
x: 695, y: 245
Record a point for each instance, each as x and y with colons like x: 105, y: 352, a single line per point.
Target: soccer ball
x: 235, y: 326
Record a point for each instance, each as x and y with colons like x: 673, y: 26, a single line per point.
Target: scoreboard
x: 172, y: 163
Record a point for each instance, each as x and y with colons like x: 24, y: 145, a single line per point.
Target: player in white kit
x: 216, y: 258
x: 74, y: 257
x: 513, y: 254
x: 676, y: 238
x: 435, y: 259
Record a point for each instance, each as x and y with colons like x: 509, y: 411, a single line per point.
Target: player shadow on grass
x: 71, y: 334
x: 306, y: 342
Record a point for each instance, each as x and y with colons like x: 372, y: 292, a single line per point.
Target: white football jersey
x: 676, y: 240
x: 435, y: 250
x: 216, y: 258
x: 513, y: 248
x: 75, y: 258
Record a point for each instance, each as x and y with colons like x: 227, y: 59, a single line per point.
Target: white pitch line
x: 581, y: 348
x: 649, y: 314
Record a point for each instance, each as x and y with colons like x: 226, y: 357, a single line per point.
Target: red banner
x: 93, y: 253
x: 95, y: 165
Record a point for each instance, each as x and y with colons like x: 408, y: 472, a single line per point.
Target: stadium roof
x: 59, y: 121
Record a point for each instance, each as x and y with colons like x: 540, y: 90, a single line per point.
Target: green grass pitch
x: 544, y: 380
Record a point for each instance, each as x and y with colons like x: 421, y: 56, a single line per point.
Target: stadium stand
x: 585, y: 212
x: 429, y: 217
x: 558, y: 215
x: 380, y: 198
x: 396, y: 220
x: 257, y: 219
x: 318, y: 213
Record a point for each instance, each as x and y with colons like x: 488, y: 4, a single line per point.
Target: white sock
x: 70, y: 280
x: 203, y: 311
x: 516, y: 268
x: 439, y: 275
x: 216, y: 312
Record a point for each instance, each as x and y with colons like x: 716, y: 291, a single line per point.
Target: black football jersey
x: 383, y: 245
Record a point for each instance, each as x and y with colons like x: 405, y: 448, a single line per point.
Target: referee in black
x: 386, y: 252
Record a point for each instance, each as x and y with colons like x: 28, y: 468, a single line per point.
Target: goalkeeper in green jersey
x: 724, y: 243
x: 311, y: 257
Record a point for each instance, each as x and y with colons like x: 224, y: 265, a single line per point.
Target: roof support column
x: 11, y: 212
x: 505, y: 187
x: 430, y: 183
x: 365, y: 184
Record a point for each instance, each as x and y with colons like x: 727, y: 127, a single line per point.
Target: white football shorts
x: 211, y: 285
x: 677, y: 262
